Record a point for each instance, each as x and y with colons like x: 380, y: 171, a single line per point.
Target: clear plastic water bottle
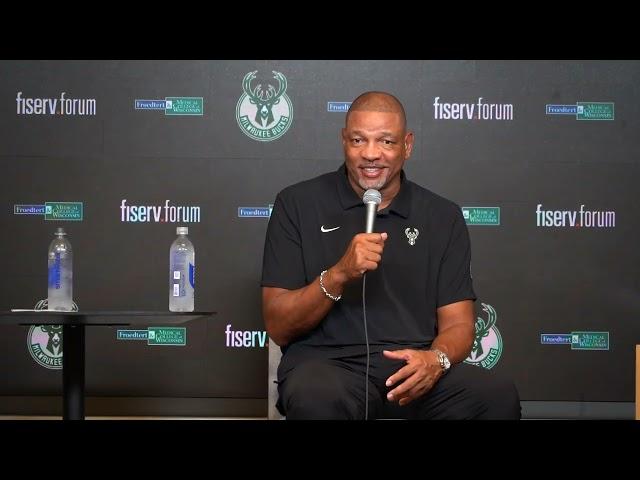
x: 182, y: 264
x: 60, y: 261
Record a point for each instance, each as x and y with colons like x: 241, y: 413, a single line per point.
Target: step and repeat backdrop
x: 542, y: 157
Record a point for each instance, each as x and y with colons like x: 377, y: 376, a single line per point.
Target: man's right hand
x: 363, y: 254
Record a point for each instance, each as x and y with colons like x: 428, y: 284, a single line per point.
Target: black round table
x: 73, y: 327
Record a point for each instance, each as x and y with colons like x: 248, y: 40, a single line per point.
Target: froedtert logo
x: 487, y: 343
x: 150, y: 104
x: 173, y: 105
x: 255, y: 212
x: 28, y: 209
x: 555, y: 339
x: 338, y: 106
x: 578, y: 340
x: 156, y: 335
x: 584, y: 110
x: 481, y: 215
x: 264, y: 113
x: 126, y: 334
x: 57, y: 211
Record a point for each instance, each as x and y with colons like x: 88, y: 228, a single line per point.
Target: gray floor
x: 530, y: 411
x: 579, y: 410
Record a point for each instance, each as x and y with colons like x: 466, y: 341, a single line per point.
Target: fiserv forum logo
x: 575, y: 218
x: 159, y: 213
x: 264, y: 113
x: 487, y: 343
x: 55, y: 106
x: 480, y: 110
x: 245, y: 338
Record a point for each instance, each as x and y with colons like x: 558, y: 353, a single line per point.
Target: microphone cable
x: 366, y: 339
x: 371, y: 198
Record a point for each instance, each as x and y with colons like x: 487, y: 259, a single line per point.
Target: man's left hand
x: 417, y: 377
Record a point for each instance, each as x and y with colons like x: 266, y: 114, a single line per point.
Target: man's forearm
x: 289, y: 314
x: 455, y: 342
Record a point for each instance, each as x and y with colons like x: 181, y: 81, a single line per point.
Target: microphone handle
x: 372, y: 209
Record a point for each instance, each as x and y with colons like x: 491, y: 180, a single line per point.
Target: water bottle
x: 60, y: 261
x: 182, y: 263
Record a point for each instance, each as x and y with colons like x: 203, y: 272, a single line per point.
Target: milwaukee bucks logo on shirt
x: 412, y: 235
x: 487, y: 344
x: 264, y: 111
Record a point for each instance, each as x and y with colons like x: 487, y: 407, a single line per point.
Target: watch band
x: 445, y: 363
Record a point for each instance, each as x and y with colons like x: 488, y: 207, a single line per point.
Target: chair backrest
x: 274, y: 360
x: 637, y: 382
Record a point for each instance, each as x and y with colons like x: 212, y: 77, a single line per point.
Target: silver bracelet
x: 335, y: 299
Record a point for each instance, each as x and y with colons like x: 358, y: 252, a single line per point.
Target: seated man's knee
x: 484, y: 394
x: 502, y: 399
x: 316, y: 390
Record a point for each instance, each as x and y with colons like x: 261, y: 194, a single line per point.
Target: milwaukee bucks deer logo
x: 264, y: 111
x: 45, y: 345
x: 412, y: 235
x: 487, y: 343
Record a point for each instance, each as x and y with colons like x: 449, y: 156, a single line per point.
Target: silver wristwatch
x: 445, y: 363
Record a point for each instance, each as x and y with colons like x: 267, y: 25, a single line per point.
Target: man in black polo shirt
x: 402, y: 350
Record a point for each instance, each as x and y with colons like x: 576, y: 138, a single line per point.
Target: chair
x: 274, y: 360
x: 637, y: 382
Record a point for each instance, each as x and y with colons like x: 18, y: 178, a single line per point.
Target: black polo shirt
x: 425, y: 263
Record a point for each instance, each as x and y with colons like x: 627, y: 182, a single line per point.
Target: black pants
x: 335, y: 389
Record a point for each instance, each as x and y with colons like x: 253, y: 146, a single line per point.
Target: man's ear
x: 408, y: 144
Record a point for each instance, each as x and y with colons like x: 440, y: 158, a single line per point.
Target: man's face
x: 375, y: 149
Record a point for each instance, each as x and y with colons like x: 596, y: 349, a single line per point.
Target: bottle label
x: 54, y: 272
x: 192, y: 275
x: 178, y: 274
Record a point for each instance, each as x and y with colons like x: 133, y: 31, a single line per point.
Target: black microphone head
x: 372, y: 196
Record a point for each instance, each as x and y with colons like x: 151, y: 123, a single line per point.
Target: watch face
x: 444, y: 361
x: 447, y: 363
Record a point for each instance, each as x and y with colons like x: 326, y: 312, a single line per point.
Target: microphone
x: 371, y: 199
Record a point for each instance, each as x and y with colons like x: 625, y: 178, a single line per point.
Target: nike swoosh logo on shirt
x: 325, y: 230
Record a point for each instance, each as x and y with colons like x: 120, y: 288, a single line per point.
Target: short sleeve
x: 283, y: 261
x: 454, y: 278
